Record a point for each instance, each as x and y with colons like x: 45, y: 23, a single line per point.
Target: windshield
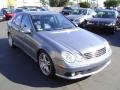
x: 105, y: 14
x: 51, y: 22
x: 69, y: 8
x: 18, y: 10
x: 79, y: 11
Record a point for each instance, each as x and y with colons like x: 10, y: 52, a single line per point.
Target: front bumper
x: 81, y: 72
x: 101, y: 28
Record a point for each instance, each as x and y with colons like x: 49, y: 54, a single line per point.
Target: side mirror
x: 26, y: 30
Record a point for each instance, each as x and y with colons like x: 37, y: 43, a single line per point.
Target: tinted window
x: 33, y: 9
x: 51, y: 22
x: 69, y: 8
x: 79, y: 11
x: 26, y: 22
x: 106, y: 14
x: 91, y: 11
x: 18, y: 10
x: 17, y: 20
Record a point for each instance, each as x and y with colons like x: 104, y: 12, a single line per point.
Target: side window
x: 25, y: 24
x: 17, y: 20
x: 91, y: 11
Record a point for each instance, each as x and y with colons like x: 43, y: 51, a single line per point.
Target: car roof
x: 83, y: 8
x: 38, y: 12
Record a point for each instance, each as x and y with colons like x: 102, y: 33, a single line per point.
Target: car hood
x: 103, y: 20
x: 77, y: 39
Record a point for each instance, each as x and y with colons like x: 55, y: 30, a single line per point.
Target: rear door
x: 14, y: 29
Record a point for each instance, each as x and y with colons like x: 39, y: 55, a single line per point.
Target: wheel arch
x: 47, y: 52
x: 43, y: 49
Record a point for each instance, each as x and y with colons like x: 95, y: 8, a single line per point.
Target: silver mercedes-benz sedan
x: 59, y: 47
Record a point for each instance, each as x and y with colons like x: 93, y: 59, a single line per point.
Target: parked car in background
x: 66, y: 10
x: 4, y: 10
x: 9, y: 14
x: 105, y: 21
x: 118, y: 11
x: 2, y: 16
x: 59, y: 46
x: 33, y: 8
x: 18, y: 10
x: 79, y: 16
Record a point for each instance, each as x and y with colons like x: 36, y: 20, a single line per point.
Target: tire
x: 10, y: 41
x: 83, y: 24
x: 46, y: 65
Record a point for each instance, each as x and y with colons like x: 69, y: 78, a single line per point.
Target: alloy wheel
x: 45, y: 64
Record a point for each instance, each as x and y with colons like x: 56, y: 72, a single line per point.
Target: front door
x: 26, y: 35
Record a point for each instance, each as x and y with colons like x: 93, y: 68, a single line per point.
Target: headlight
x: 78, y: 57
x: 71, y: 58
x: 108, y: 47
x: 111, y: 24
x: 90, y: 23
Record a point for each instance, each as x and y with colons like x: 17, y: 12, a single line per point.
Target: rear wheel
x: 46, y: 64
x: 10, y: 41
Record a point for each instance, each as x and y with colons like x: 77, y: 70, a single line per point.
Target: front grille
x: 88, y: 55
x: 100, y: 52
x: 97, y: 53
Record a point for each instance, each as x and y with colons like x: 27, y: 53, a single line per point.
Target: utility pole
x: 23, y: 2
x: 78, y: 1
x: 97, y: 3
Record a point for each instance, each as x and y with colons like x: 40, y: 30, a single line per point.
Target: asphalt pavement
x: 19, y: 72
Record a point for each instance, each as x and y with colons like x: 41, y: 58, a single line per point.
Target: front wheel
x: 83, y: 24
x: 46, y: 64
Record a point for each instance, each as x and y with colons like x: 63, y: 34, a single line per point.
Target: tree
x: 85, y: 4
x: 54, y: 3
x: 63, y: 2
x: 58, y: 3
x: 43, y: 2
x: 111, y: 3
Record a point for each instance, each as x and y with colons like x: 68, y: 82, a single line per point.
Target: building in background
x: 3, y: 4
x: 28, y: 3
x: 18, y: 3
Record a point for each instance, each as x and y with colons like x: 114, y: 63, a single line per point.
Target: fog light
x: 67, y: 74
x: 77, y: 73
x: 72, y: 74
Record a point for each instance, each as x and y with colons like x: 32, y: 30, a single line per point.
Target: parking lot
x: 19, y: 72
